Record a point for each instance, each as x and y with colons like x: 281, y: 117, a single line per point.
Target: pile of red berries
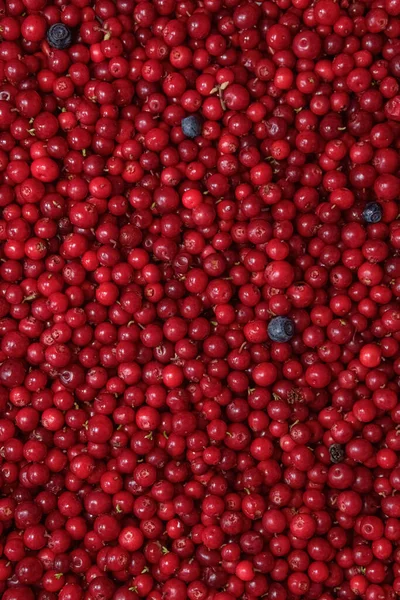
x: 199, y: 299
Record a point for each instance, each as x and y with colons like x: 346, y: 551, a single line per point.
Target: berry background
x: 199, y: 299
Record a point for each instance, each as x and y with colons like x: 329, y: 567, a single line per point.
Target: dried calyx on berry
x: 59, y: 36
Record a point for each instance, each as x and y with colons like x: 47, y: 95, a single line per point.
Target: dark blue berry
x: 372, y: 213
x: 336, y: 453
x: 191, y: 126
x: 59, y: 36
x: 281, y: 329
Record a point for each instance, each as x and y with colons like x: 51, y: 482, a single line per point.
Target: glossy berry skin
x: 199, y: 299
x: 372, y: 213
x: 280, y: 329
x: 191, y: 126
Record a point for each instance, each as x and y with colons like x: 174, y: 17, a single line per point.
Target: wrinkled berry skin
x: 191, y: 126
x: 59, y: 36
x: 280, y: 329
x: 372, y: 213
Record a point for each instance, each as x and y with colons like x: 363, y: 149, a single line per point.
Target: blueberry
x: 191, y: 126
x: 336, y: 453
x: 59, y: 36
x: 372, y: 213
x: 280, y: 329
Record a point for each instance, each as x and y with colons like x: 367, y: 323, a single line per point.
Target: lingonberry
x: 198, y: 300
